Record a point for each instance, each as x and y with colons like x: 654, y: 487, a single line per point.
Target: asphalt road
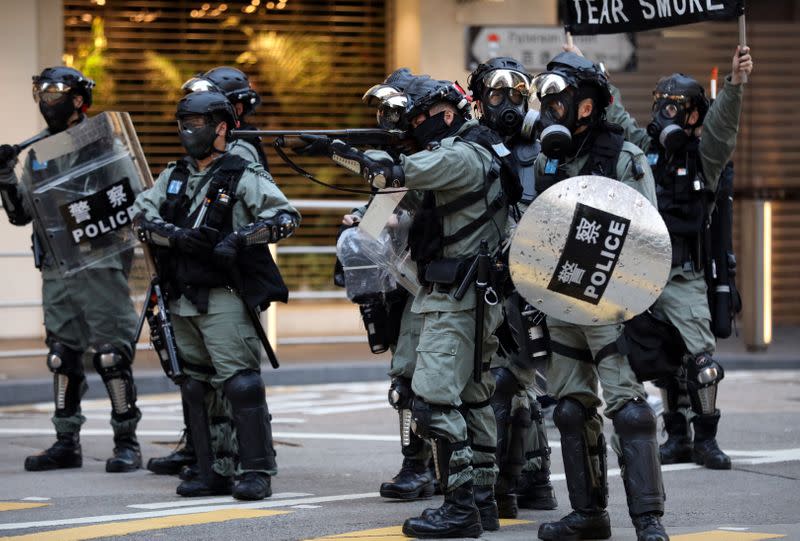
x: 336, y: 443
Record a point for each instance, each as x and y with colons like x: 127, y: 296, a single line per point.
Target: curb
x: 32, y: 390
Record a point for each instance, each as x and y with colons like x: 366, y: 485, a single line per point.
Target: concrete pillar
x: 755, y: 273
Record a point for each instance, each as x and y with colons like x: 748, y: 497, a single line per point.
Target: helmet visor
x: 378, y: 93
x: 503, y: 78
x: 546, y: 84
x: 50, y: 92
x: 198, y: 84
x: 190, y: 123
x: 391, y: 113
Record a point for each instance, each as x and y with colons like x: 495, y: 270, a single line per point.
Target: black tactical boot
x: 413, y: 481
x: 457, y: 517
x: 706, y: 452
x: 64, y: 453
x: 577, y: 525
x: 188, y: 472
x: 127, y: 455
x: 649, y: 528
x: 678, y: 447
x: 212, y: 485
x: 487, y: 507
x: 253, y: 486
x: 173, y: 463
x: 535, y: 491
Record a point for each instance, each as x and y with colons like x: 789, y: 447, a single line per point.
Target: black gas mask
x: 56, y: 104
x: 557, y: 122
x: 503, y: 109
x: 434, y: 129
x: 198, y: 133
x: 668, y: 127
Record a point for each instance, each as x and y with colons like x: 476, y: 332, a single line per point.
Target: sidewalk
x: 26, y: 380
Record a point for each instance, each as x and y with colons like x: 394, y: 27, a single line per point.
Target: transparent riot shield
x: 80, y: 185
x: 389, y: 217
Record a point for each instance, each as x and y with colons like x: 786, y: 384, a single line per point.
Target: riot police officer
x: 209, y: 217
x: 575, y: 140
x: 463, y: 206
x: 235, y: 85
x: 688, y: 144
x: 500, y: 90
x: 88, y: 311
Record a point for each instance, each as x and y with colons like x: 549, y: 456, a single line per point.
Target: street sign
x: 535, y: 46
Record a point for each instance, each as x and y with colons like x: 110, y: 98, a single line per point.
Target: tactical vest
x: 256, y: 278
x: 524, y: 154
x: 426, y: 237
x: 682, y: 201
x: 604, y: 152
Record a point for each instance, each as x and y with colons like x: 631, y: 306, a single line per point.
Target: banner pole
x: 742, y: 39
x: 569, y: 37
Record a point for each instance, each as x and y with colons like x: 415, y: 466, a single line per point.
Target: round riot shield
x: 591, y: 251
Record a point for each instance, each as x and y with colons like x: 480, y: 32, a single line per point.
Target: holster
x: 446, y: 272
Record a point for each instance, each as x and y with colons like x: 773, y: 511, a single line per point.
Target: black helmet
x: 215, y: 106
x: 424, y: 92
x: 513, y: 73
x: 570, y: 69
x: 389, y: 99
x: 63, y: 79
x: 680, y: 88
x: 235, y: 85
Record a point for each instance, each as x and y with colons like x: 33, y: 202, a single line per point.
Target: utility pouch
x: 654, y: 347
x: 445, y: 272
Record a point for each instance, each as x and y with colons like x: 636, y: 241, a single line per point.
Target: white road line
x: 35, y: 499
x: 207, y: 501
x: 186, y: 511
x: 147, y: 417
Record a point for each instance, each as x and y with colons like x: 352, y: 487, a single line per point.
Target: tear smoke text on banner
x: 615, y: 16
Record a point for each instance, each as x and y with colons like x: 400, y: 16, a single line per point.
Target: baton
x: 742, y: 39
x: 481, y: 285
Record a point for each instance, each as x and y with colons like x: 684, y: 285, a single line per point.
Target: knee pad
x: 505, y: 381
x: 636, y: 418
x: 110, y: 363
x: 570, y: 415
x: 400, y: 394
x: 63, y: 360
x: 245, y: 390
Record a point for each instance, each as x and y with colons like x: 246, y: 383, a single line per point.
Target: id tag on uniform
x: 551, y: 167
x: 652, y: 159
x: 174, y: 187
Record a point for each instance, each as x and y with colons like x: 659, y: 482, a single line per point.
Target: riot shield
x: 80, y: 185
x: 389, y: 217
x: 591, y: 251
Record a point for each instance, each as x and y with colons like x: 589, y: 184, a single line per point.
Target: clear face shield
x: 50, y: 92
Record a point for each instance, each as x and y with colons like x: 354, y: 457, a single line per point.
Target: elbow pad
x: 268, y: 231
x: 12, y: 202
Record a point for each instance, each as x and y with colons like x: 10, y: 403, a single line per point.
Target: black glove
x: 316, y: 145
x: 227, y: 249
x: 197, y: 242
x: 7, y: 155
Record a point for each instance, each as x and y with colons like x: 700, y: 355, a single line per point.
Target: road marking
x: 721, y: 535
x: 393, y: 533
x: 19, y: 506
x: 134, y: 526
x: 306, y: 506
x: 266, y: 504
x: 35, y: 499
x: 189, y: 502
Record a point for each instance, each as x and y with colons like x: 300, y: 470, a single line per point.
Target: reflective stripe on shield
x: 591, y: 251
